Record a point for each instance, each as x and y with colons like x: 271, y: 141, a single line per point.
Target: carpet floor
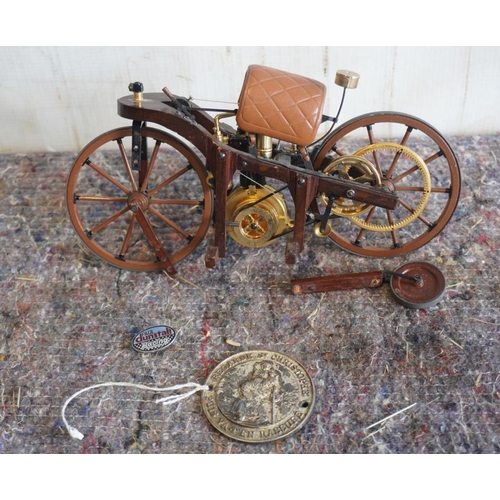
x: 388, y: 379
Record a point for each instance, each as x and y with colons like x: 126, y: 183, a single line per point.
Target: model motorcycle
x: 143, y: 198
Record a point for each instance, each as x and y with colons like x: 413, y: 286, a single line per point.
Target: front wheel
x: 407, y: 156
x: 104, y: 193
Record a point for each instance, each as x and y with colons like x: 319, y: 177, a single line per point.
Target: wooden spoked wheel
x: 426, y: 204
x: 110, y: 204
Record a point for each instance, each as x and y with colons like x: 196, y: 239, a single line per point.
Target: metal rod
x: 417, y: 279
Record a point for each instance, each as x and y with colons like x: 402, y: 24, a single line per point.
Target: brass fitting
x: 217, y: 131
x: 137, y: 88
x: 264, y: 146
x: 347, y: 79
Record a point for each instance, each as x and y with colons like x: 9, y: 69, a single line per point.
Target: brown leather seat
x: 282, y: 105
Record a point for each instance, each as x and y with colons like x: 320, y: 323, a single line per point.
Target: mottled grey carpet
x: 68, y: 318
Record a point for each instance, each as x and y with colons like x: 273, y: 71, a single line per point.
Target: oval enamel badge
x: 154, y: 338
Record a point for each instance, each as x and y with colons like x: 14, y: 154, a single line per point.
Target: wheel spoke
x: 411, y: 210
x: 155, y: 243
x: 362, y: 231
x: 401, y: 176
x: 405, y: 138
x: 403, y: 142
x: 127, y: 164
x: 338, y: 151
x: 107, y: 176
x: 99, y: 199
x: 414, y: 189
x: 159, y: 201
x: 359, y: 237
x: 169, y: 223
x: 433, y: 157
x: 388, y: 174
x: 151, y: 164
x: 406, y: 206
x: 108, y: 221
x: 128, y: 236
x: 441, y: 190
x: 394, y: 234
x: 371, y: 139
x: 169, y: 180
x: 421, y: 189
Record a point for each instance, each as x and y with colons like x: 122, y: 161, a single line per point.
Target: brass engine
x: 255, y: 215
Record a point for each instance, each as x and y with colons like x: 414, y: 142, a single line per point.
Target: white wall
x: 59, y: 98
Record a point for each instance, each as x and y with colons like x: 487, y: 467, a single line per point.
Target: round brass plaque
x: 258, y: 396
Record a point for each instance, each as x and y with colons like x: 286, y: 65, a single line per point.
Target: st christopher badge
x: 258, y: 396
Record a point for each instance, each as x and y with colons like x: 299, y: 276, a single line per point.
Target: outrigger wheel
x: 417, y: 285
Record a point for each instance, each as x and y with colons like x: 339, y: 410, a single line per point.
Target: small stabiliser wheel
x: 426, y: 201
x: 418, y: 285
x: 118, y: 212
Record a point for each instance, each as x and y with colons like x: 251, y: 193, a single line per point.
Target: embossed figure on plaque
x: 258, y: 395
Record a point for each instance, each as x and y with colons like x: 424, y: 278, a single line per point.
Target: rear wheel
x: 407, y: 156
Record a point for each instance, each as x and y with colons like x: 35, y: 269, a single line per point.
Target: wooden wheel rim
x: 149, y: 264
x: 451, y: 170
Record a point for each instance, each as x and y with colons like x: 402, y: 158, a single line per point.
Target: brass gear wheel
x: 425, y: 188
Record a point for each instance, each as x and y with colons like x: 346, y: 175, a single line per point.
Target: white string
x: 75, y: 433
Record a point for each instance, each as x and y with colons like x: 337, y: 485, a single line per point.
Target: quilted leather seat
x: 280, y: 104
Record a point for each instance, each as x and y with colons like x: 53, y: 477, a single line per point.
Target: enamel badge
x: 154, y: 338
